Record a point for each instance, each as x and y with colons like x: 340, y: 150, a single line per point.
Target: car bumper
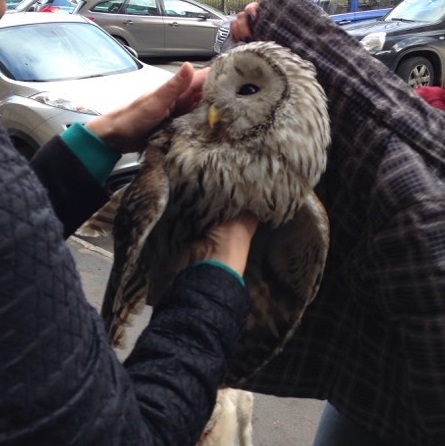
x: 35, y: 130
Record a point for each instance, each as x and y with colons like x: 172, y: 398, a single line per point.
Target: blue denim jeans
x: 335, y: 429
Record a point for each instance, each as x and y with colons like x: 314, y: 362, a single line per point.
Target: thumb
x: 178, y: 84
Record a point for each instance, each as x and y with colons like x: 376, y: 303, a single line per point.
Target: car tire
x: 23, y: 148
x: 416, y: 72
x: 121, y: 40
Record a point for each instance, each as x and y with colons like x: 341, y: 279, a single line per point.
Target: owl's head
x: 261, y: 86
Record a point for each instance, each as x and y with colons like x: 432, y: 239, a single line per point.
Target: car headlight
x: 374, y: 42
x: 54, y: 100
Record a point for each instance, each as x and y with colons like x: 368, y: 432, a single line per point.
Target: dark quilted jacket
x: 60, y: 383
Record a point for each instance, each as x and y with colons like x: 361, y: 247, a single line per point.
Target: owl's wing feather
x: 142, y: 205
x: 283, y: 275
x: 100, y: 224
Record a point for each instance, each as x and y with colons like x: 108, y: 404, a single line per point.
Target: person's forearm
x: 74, y: 193
x: 185, y: 348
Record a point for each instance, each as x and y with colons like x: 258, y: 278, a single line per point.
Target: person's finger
x: 178, y: 84
x: 189, y: 99
x: 252, y: 8
x: 240, y: 28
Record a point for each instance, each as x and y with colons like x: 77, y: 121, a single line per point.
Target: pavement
x: 276, y: 421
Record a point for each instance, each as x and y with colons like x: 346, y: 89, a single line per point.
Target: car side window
x: 367, y: 5
x: 142, y: 7
x: 110, y: 6
x: 335, y: 6
x: 179, y: 8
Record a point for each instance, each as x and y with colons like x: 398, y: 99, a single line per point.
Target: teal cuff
x: 97, y: 157
x: 223, y: 266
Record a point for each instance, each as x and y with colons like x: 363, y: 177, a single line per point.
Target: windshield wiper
x: 93, y: 75
x: 400, y: 19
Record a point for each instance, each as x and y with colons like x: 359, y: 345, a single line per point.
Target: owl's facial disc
x: 245, y: 89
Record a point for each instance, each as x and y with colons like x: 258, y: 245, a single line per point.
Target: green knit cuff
x: 223, y: 266
x: 97, y: 157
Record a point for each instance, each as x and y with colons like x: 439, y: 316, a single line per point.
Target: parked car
x: 410, y: 40
x: 19, y: 5
x: 342, y: 12
x: 14, y: 6
x: 57, y: 69
x: 157, y: 28
x: 55, y: 6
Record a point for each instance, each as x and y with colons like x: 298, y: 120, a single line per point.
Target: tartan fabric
x: 373, y: 341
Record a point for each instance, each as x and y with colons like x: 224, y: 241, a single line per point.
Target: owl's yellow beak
x: 213, y: 116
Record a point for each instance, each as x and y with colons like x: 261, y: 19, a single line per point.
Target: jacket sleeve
x: 61, y: 383
x: 75, y: 195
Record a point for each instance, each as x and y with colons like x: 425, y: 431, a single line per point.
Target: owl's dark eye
x: 247, y: 89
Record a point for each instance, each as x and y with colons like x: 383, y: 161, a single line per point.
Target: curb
x: 92, y: 247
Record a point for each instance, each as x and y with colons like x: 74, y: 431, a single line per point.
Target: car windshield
x: 418, y: 10
x: 45, y: 52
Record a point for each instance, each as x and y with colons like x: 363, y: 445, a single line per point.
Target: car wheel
x: 120, y: 40
x: 417, y: 72
x: 23, y: 148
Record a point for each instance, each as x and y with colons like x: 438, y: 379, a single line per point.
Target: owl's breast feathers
x: 220, y: 179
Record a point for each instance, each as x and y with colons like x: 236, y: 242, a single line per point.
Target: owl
x: 231, y: 420
x: 258, y: 142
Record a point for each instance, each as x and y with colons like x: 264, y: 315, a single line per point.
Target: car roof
x: 29, y: 18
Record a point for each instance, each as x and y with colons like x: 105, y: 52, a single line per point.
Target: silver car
x: 57, y: 69
x: 157, y: 28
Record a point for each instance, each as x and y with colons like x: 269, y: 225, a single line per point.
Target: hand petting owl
x: 257, y: 142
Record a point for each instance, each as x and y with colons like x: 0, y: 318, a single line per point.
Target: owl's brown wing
x: 283, y: 275
x: 142, y: 205
x: 101, y: 222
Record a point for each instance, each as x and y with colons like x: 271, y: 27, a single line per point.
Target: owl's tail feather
x: 101, y: 222
x: 134, y: 311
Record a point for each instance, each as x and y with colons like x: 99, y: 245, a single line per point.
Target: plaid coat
x: 373, y: 341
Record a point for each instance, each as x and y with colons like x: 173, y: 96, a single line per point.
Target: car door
x: 189, y: 29
x: 144, y: 24
x: 137, y: 23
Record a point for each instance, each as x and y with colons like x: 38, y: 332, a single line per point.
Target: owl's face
x: 260, y: 85
x: 245, y: 89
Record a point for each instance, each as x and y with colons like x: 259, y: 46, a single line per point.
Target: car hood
x: 102, y: 94
x: 394, y: 27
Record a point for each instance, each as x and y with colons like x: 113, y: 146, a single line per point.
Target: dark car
x: 342, y: 12
x: 410, y: 40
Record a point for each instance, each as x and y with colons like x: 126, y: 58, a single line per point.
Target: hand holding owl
x: 127, y: 128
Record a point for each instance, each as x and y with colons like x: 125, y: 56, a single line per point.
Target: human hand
x: 241, y: 28
x: 228, y: 243
x: 126, y: 129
